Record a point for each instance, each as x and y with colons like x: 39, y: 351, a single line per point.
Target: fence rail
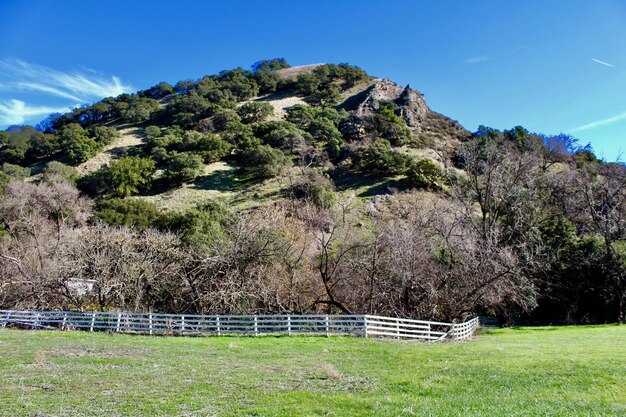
x: 196, y: 324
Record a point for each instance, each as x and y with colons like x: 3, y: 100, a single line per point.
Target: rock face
x: 413, y: 108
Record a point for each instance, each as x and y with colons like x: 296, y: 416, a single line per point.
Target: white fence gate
x: 195, y: 324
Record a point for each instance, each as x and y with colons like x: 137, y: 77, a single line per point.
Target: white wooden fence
x: 195, y: 324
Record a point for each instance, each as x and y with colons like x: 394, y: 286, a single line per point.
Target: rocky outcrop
x: 412, y: 106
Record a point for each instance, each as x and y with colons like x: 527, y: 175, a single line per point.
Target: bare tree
x: 39, y: 220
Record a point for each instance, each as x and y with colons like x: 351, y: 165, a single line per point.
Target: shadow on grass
x: 367, y: 185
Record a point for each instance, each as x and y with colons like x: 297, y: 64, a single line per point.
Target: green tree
x: 104, y: 135
x: 290, y: 139
x: 13, y: 148
x: 15, y: 171
x: 426, y: 173
x: 131, y: 175
x: 139, y: 110
x: 76, y: 145
x: 183, y: 167
x: 42, y: 145
x: 59, y: 169
x: 264, y: 161
x: 327, y: 95
x: 379, y: 158
x: 255, y: 111
x: 131, y: 212
x: 307, y: 84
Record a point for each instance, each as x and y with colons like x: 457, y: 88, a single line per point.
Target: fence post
x: 6, y: 320
x: 150, y: 323
x: 217, y: 319
x: 398, y: 329
x: 64, y: 322
x: 93, y: 320
x: 326, y: 324
x: 365, y: 326
x: 256, y: 328
x: 182, y: 325
x: 119, y: 319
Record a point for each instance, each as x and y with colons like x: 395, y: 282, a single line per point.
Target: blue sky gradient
x: 556, y: 66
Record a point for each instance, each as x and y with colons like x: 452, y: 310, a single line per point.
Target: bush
x: 211, y: 147
x: 58, y: 169
x: 183, y: 167
x: 129, y: 212
x: 307, y: 84
x: 152, y: 132
x: 201, y: 225
x: 289, y: 139
x: 264, y: 161
x: 15, y: 171
x: 42, y: 145
x: 327, y: 95
x: 139, y: 110
x: 130, y: 175
x: 268, y: 65
x: 268, y: 81
x: 222, y: 119
x: 104, y: 135
x: 76, y: 145
x: 379, y: 158
x: 255, y: 112
x: 427, y: 174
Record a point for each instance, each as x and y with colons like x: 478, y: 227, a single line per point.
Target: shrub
x: 211, y: 147
x: 268, y: 65
x: 201, y: 225
x: 379, y: 158
x: 183, y: 167
x: 327, y: 95
x: 104, y: 135
x: 264, y: 161
x: 130, y: 175
x: 15, y: 171
x: 426, y: 173
x: 58, y: 169
x: 255, y: 112
x: 289, y: 139
x: 307, y: 84
x: 130, y: 212
x: 76, y: 145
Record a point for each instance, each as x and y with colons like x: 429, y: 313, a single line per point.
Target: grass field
x: 506, y: 372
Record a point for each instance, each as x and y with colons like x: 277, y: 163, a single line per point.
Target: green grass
x: 506, y: 372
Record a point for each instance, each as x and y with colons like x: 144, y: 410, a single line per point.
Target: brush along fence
x: 194, y: 324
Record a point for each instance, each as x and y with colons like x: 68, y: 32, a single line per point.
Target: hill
x: 312, y: 188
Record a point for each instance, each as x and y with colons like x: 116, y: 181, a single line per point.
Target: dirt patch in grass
x: 281, y: 102
x: 129, y: 138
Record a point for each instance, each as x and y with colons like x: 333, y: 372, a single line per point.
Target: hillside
x: 307, y: 189
x: 428, y: 134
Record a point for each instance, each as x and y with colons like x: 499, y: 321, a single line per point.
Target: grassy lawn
x: 507, y: 372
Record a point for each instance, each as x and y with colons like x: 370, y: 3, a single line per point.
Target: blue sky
x: 550, y: 66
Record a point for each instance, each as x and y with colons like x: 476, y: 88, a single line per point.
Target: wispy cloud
x: 21, y: 82
x: 477, y: 59
x: 17, y: 75
x: 602, y: 122
x: 15, y: 112
x: 602, y: 63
